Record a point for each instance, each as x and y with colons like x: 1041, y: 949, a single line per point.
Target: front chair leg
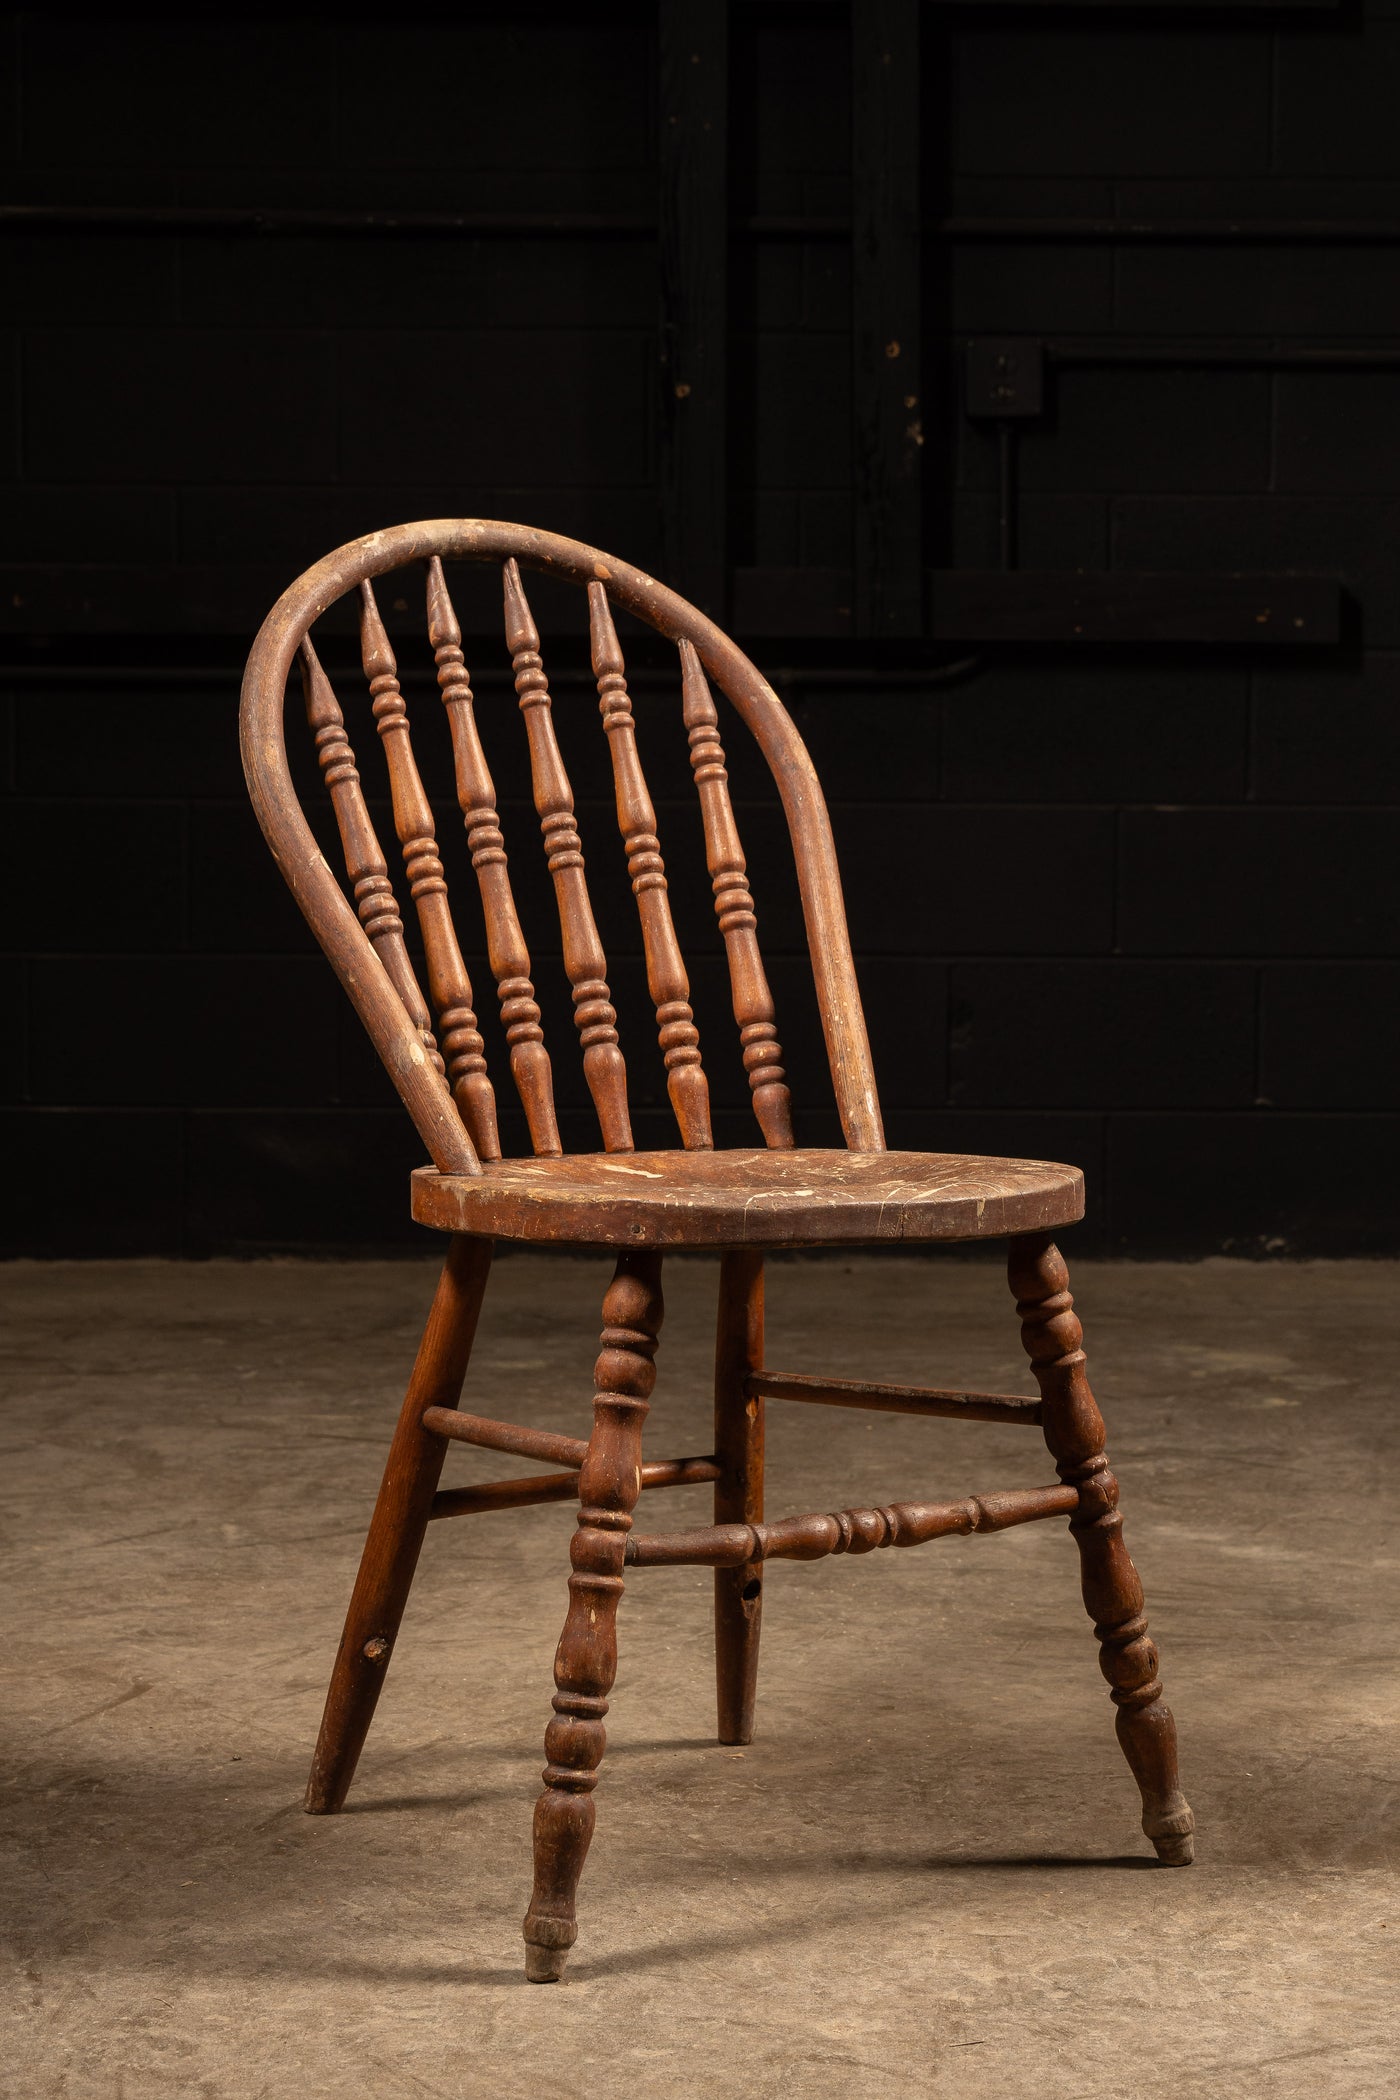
x: 396, y: 1529
x: 1074, y: 1431
x: 585, y: 1662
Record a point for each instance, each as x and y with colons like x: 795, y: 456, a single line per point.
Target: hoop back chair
x: 739, y: 1202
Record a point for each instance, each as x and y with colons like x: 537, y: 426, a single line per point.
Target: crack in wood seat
x: 804, y: 1197
x: 423, y: 1021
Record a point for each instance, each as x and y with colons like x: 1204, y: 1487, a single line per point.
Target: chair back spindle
x: 585, y: 964
x: 365, y: 864
x: 505, y: 942
x: 753, y: 1001
x: 449, y: 985
x: 447, y: 1089
x: 666, y: 976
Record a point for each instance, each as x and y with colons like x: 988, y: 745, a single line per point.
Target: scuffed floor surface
x: 925, y: 1876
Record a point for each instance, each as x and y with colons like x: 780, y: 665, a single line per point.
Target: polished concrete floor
x: 926, y: 1874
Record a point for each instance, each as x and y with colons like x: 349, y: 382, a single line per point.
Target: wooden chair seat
x: 638, y: 1204
x: 803, y: 1198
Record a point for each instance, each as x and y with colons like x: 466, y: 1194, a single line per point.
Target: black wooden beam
x: 693, y: 49
x: 1035, y: 605
x: 887, y: 386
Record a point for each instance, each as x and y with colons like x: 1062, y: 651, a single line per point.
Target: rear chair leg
x: 396, y: 1529
x: 1074, y: 1431
x: 739, y: 1489
x: 585, y: 1662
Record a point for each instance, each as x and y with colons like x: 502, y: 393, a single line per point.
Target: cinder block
x: 1330, y: 1035
x: 1103, y: 1035
x: 1260, y: 882
x: 1254, y: 1185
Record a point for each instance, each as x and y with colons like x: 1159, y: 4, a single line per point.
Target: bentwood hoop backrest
x: 430, y: 1044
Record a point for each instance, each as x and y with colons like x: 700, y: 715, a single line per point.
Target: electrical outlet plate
x: 1005, y: 376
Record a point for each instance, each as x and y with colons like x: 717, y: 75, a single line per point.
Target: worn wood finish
x: 737, y: 1202
x: 739, y: 1429
x: 770, y: 1199
x: 738, y: 924
x: 845, y: 1530
x: 725, y: 665
x: 365, y: 864
x: 585, y: 964
x: 448, y: 982
x: 397, y: 1526
x: 1074, y: 1433
x: 562, y: 1487
x: 586, y: 1662
x: 505, y: 942
x: 636, y: 820
x: 504, y: 1436
x: 893, y: 1399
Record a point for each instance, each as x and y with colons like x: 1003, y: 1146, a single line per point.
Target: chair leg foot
x: 585, y: 1661
x: 396, y: 1529
x: 1112, y: 1591
x: 544, y: 1962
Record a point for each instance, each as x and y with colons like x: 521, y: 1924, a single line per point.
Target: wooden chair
x: 641, y: 1203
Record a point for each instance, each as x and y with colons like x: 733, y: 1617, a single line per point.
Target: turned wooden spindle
x: 1074, y: 1431
x: 636, y: 819
x: 449, y: 985
x: 585, y: 1662
x: 585, y: 964
x: 753, y: 1002
x: 505, y: 942
x: 364, y: 857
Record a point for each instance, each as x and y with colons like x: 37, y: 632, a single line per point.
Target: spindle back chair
x: 639, y: 1203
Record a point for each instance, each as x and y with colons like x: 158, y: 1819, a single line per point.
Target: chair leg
x: 1113, y: 1596
x: 585, y: 1662
x: 739, y: 1489
x: 396, y: 1529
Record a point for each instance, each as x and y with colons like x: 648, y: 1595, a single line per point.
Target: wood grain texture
x: 585, y: 964
x: 586, y: 1661
x: 735, y: 1199
x: 561, y: 1487
x: 365, y: 865
x: 505, y: 942
x: 738, y: 924
x: 739, y: 1435
x: 893, y: 1399
x: 636, y: 820
x: 738, y: 1201
x: 725, y: 665
x: 449, y: 985
x: 846, y: 1530
x: 396, y: 1529
x: 1074, y: 1432
x: 462, y: 1428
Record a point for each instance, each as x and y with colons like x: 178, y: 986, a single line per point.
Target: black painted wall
x: 1137, y: 908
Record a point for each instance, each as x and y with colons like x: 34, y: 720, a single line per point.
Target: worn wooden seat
x: 641, y: 1202
x: 801, y: 1198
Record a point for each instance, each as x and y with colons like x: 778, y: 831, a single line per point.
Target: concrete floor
x: 925, y: 1875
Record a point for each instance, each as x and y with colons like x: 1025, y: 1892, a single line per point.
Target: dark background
x: 1121, y: 855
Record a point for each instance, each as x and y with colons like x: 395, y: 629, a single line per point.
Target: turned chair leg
x: 585, y: 1662
x: 1113, y: 1596
x: 739, y: 1489
x: 396, y: 1529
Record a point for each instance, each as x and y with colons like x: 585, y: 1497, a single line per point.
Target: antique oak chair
x: 641, y: 1203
